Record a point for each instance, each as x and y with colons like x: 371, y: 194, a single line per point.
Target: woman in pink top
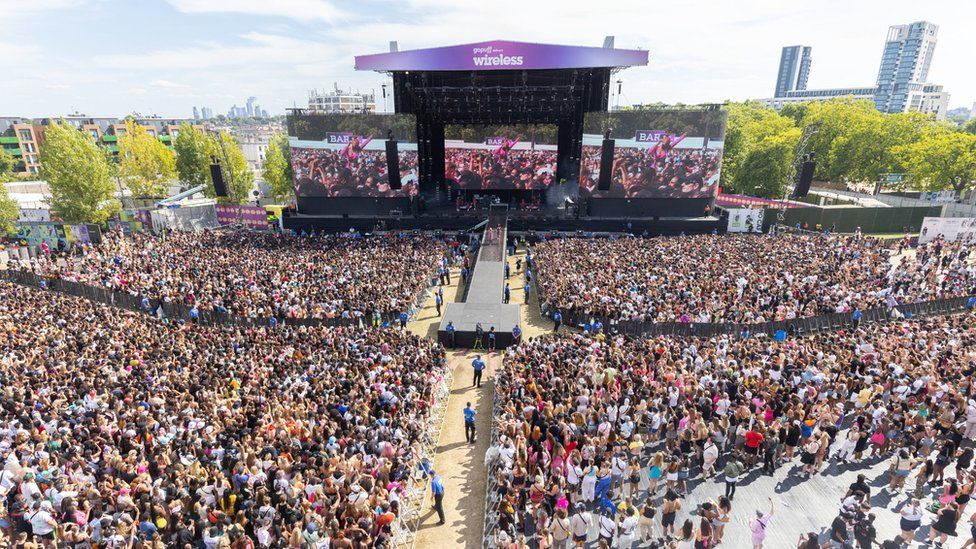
x: 758, y: 525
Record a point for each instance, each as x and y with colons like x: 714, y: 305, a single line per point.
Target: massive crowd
x: 602, y: 438
x: 645, y: 173
x: 259, y: 275
x: 329, y: 172
x: 119, y: 430
x: 745, y: 279
x: 518, y: 169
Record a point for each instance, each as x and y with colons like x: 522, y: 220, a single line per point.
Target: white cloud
x: 160, y: 83
x: 299, y: 10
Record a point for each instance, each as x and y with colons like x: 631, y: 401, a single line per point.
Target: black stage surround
x: 561, y: 97
x: 556, y: 96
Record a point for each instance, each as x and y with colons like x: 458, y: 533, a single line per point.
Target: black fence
x: 796, y: 326
x: 174, y: 310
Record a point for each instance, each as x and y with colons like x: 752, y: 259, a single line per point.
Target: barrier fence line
x: 793, y: 326
x: 181, y: 311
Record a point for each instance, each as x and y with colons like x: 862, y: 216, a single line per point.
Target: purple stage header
x: 500, y: 55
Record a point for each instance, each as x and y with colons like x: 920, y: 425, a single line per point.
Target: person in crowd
x: 570, y: 406
x: 742, y: 278
x: 121, y: 430
x: 258, y: 274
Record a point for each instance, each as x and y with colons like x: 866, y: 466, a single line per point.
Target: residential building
x: 196, y: 113
x: 20, y: 141
x: 902, y: 79
x: 801, y: 96
x: 254, y: 142
x: 338, y: 101
x: 905, y: 60
x: 207, y: 113
x: 794, y: 70
x: 927, y: 98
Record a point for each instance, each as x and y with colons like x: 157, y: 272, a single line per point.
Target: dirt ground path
x: 460, y: 464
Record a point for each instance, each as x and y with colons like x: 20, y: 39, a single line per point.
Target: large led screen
x: 345, y: 155
x: 519, y: 157
x: 666, y: 153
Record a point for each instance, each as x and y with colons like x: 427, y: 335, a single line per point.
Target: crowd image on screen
x: 341, y: 173
x: 654, y: 172
x: 517, y: 169
x: 744, y: 278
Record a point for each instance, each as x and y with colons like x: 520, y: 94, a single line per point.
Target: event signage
x: 255, y: 217
x: 338, y: 138
x: 500, y: 55
x: 745, y: 220
x: 648, y: 136
x: 949, y: 228
x: 495, y: 141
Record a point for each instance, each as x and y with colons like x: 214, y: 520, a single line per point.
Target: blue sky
x: 113, y: 57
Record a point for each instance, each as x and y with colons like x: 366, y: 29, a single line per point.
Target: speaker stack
x: 806, y: 176
x: 606, y: 162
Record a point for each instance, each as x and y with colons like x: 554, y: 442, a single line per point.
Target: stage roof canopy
x: 500, y: 55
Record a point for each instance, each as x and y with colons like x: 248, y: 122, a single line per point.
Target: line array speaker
x: 393, y: 164
x: 217, y: 175
x: 606, y: 164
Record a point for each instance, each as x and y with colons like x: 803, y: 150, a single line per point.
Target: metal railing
x: 493, y: 464
x: 798, y: 326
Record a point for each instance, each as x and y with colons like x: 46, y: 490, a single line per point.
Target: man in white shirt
x: 581, y: 523
x: 42, y: 522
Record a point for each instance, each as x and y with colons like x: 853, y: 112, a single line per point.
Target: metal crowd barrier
x: 492, y: 467
x: 793, y: 326
x: 181, y: 311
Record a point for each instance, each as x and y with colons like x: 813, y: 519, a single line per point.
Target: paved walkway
x: 460, y: 464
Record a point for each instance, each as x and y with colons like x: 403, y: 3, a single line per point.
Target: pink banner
x: 252, y: 216
x: 744, y: 200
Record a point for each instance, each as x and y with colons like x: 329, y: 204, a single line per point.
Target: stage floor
x: 466, y: 316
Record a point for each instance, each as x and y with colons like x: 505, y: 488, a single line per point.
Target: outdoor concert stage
x: 485, y: 295
x: 522, y: 123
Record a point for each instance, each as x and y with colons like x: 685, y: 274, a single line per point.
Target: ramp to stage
x: 484, y: 303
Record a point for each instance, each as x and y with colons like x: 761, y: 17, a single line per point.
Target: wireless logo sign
x: 490, y: 56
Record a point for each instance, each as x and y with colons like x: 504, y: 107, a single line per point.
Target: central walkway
x: 461, y: 464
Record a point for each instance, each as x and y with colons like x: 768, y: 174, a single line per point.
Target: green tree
x: 865, y: 150
x: 970, y: 127
x: 765, y: 168
x: 277, y: 167
x: 941, y: 160
x: 194, y: 150
x: 237, y: 174
x: 145, y: 164
x: 77, y: 174
x: 748, y: 124
x: 835, y: 118
x: 9, y: 212
x: 7, y: 163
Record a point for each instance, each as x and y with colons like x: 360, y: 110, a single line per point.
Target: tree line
x: 85, y: 181
x: 853, y: 142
